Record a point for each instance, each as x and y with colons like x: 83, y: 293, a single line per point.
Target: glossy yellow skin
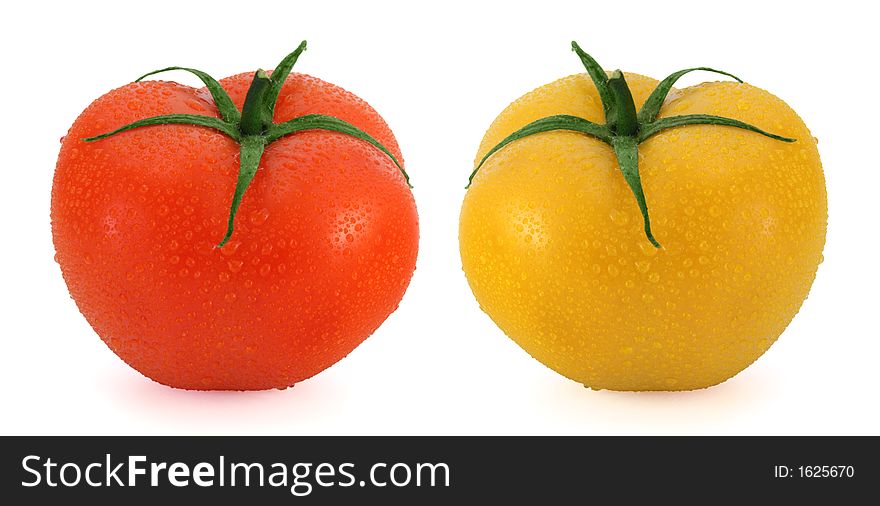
x: 553, y: 247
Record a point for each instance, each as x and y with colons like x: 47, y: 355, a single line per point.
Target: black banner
x: 420, y: 470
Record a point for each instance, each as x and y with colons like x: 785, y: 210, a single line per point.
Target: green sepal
x: 548, y: 124
x: 329, y: 123
x: 598, y: 75
x: 251, y: 151
x: 626, y: 149
x: 702, y: 119
x: 651, y: 108
x: 224, y: 104
x: 175, y: 119
x: 279, y: 75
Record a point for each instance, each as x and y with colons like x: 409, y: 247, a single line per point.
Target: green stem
x: 256, y: 118
x: 623, y: 118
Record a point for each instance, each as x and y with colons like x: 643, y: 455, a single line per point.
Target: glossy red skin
x: 324, y: 247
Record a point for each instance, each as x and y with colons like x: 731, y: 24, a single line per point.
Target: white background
x: 439, y: 73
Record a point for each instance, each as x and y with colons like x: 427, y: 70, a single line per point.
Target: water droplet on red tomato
x: 230, y: 248
x: 204, y: 248
x: 259, y: 217
x: 192, y: 104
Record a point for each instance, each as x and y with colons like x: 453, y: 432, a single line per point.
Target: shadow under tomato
x: 714, y: 410
x: 300, y: 408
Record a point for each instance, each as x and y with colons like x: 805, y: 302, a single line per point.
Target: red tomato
x: 324, y: 245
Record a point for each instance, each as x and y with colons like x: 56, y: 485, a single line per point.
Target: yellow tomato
x: 553, y: 246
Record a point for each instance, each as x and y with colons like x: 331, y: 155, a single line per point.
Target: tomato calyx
x: 252, y: 128
x: 625, y: 127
